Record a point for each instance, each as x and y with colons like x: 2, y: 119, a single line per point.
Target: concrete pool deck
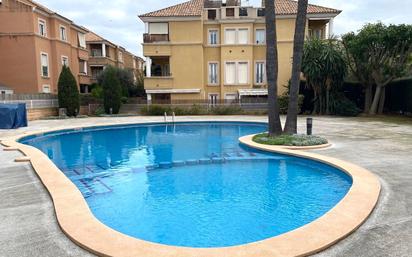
x: 385, y: 149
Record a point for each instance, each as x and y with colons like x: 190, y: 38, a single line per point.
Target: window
x: 213, y: 73
x: 230, y: 98
x: 120, y: 57
x: 82, y: 40
x: 230, y: 12
x: 317, y: 33
x: 230, y: 73
x: 213, y: 37
x: 213, y: 99
x: 236, y: 73
x: 42, y: 28
x: 65, y: 61
x: 243, y: 36
x: 63, y: 35
x: 243, y: 12
x: 236, y: 36
x: 260, y: 73
x: 44, y: 65
x: 158, y: 28
x: 211, y: 14
x: 260, y: 36
x: 82, y: 67
x: 230, y: 36
x: 242, y: 72
x: 46, y: 89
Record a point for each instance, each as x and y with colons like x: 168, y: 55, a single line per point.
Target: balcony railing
x: 152, y: 38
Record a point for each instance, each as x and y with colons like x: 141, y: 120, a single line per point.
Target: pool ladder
x: 173, y: 117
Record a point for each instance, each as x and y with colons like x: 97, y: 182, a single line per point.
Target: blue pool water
x: 192, y: 184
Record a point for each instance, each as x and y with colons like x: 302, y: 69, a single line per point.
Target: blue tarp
x: 13, y: 116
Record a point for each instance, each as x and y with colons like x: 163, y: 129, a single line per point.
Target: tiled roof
x: 288, y: 7
x: 195, y: 7
x: 93, y: 37
x: 190, y: 8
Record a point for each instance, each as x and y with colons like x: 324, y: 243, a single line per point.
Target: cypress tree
x: 68, y: 93
x: 112, y: 91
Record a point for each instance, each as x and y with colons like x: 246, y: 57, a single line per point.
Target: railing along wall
x: 32, y: 101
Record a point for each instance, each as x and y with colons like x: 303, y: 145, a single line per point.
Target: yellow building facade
x: 205, y: 50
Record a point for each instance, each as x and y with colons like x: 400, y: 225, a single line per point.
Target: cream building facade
x: 205, y: 50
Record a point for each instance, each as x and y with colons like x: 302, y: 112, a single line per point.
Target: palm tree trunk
x: 275, y: 126
x: 291, y: 126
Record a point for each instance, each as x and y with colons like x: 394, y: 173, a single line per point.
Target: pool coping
x: 79, y: 224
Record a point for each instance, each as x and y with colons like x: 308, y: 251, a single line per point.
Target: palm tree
x: 275, y: 126
x: 299, y: 41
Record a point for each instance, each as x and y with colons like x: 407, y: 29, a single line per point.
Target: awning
x: 253, y: 92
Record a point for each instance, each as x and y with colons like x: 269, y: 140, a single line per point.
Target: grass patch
x: 289, y: 140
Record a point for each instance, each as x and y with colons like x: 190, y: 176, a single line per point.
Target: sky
x: 117, y: 21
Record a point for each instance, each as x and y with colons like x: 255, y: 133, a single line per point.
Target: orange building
x: 35, y: 43
x: 104, y: 53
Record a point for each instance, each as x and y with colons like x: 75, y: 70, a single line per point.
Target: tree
x: 68, y: 93
x: 112, y: 91
x: 325, y: 68
x: 125, y: 77
x: 275, y: 126
x: 299, y: 41
x: 379, y: 54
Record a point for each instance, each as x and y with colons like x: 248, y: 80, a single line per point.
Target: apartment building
x: 104, y: 53
x: 35, y: 43
x: 215, y: 50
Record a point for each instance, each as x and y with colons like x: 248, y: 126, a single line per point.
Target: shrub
x: 97, y: 92
x: 284, y: 103
x: 226, y: 110
x: 289, y: 140
x: 155, y: 110
x: 112, y: 91
x: 68, y: 93
x: 342, y: 106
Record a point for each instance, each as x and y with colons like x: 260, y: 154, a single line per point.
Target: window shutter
x: 230, y: 73
x: 243, y: 36
x: 242, y: 72
x: 159, y: 28
x: 230, y: 36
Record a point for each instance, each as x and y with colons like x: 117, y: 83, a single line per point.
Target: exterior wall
x: 190, y: 54
x: 37, y: 114
x: 21, y: 47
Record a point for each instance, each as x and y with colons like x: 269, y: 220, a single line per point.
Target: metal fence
x: 32, y: 101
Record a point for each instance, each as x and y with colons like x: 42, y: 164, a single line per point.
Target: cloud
x: 117, y: 20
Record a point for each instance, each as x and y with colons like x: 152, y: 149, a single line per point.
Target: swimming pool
x: 192, y: 184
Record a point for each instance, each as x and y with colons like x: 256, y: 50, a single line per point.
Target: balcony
x: 157, y: 50
x: 153, y: 83
x: 155, y: 38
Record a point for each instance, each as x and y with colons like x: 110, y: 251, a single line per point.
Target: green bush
x: 289, y: 140
x: 112, y: 91
x: 342, y: 106
x: 68, y: 93
x: 155, y: 110
x: 226, y: 110
x: 97, y: 92
x: 284, y: 103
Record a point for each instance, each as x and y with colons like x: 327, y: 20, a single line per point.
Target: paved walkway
x: 28, y: 226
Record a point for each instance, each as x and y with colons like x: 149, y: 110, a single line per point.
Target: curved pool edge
x: 79, y: 224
